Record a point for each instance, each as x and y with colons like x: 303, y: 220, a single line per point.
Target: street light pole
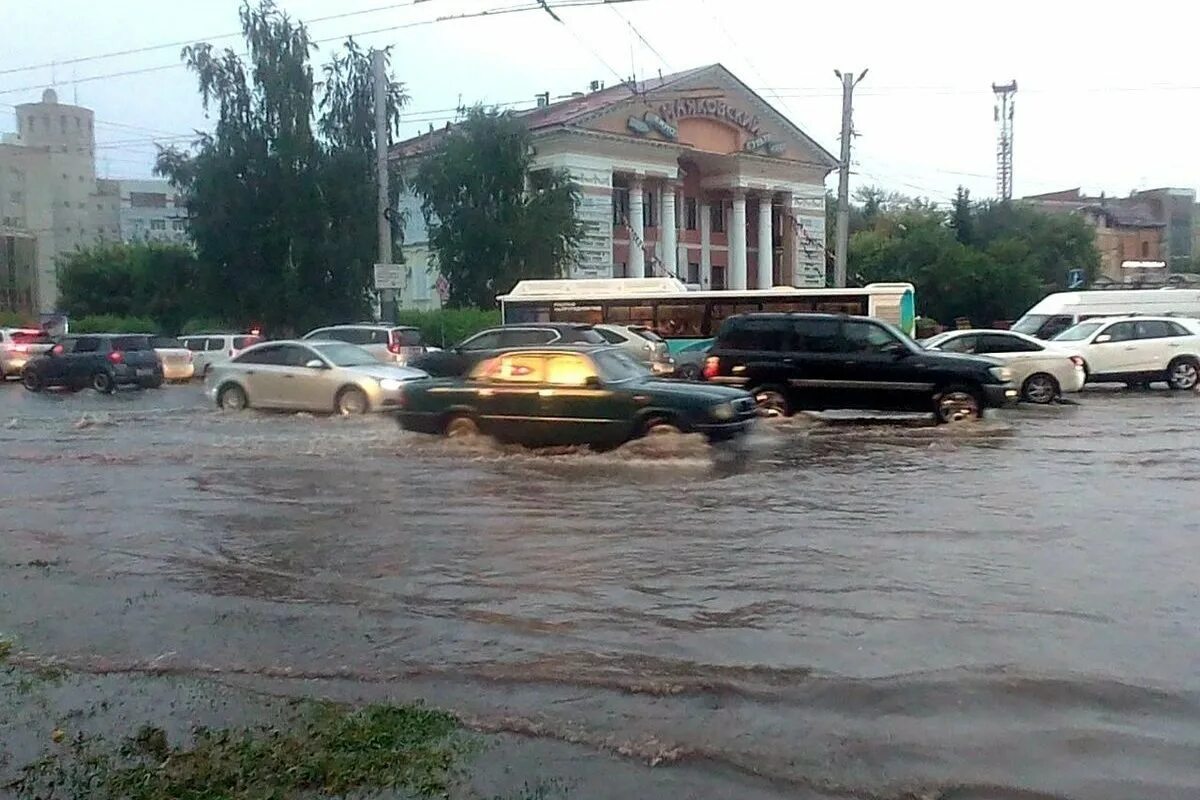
x: 843, y: 207
x: 379, y: 72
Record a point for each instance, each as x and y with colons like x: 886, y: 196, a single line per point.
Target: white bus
x: 682, y: 316
x: 1057, y: 312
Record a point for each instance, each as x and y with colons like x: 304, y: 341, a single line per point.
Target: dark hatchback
x: 462, y: 358
x: 101, y: 361
x: 564, y: 395
x: 826, y: 361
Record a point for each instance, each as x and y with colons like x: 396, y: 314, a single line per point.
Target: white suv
x: 18, y: 345
x: 390, y: 344
x: 1137, y: 350
x: 216, y: 348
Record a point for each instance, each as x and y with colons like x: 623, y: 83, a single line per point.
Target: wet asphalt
x: 833, y: 608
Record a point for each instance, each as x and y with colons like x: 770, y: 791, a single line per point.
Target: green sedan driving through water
x: 598, y: 396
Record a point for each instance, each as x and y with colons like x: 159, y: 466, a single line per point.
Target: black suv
x: 818, y: 361
x: 458, y: 360
x: 102, y: 361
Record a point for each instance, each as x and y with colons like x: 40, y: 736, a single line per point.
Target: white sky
x: 1108, y: 92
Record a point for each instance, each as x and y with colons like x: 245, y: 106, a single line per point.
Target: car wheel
x: 772, y: 402
x: 232, y: 398
x: 688, y: 372
x: 461, y: 426
x: 31, y: 381
x: 1040, y: 388
x: 103, y: 383
x: 1183, y: 374
x: 351, y: 402
x: 956, y: 403
x: 154, y: 383
x: 659, y: 426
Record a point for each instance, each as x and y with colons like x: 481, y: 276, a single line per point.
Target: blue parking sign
x: 1074, y: 279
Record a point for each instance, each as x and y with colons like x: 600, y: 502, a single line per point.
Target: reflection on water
x: 863, y: 608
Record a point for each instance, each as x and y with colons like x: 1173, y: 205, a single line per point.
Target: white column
x: 637, y: 233
x: 766, y: 247
x: 666, y: 231
x: 737, y: 242
x: 705, y: 212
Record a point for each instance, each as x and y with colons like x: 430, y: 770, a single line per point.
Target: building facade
x: 142, y: 210
x: 691, y: 175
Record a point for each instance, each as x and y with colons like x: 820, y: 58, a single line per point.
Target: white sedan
x: 1042, y: 370
x: 1137, y: 350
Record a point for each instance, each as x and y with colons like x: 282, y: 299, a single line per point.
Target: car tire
x: 351, y: 402
x: 153, y: 383
x: 1040, y: 388
x: 956, y: 403
x: 460, y: 426
x: 660, y: 426
x: 771, y: 401
x: 103, y: 383
x: 232, y: 398
x: 1183, y: 374
x: 31, y: 381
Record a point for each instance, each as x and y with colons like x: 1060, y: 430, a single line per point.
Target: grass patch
x: 6, y: 648
x: 332, y: 751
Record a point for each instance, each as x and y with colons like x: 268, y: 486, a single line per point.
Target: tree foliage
x: 492, y: 220
x: 987, y: 262
x: 145, y: 279
x: 280, y: 194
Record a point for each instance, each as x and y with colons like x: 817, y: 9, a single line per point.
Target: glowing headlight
x: 722, y: 411
x: 1002, y: 374
x: 389, y: 384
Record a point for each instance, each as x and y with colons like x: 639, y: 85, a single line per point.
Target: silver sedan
x: 309, y: 376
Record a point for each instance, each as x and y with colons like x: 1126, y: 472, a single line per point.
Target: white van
x: 1057, y: 312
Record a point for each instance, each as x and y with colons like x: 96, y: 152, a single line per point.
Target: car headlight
x: 1002, y: 374
x: 722, y: 411
x: 390, y: 384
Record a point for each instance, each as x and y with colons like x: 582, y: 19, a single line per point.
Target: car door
x: 84, y: 360
x: 812, y: 362
x: 507, y: 391
x: 578, y: 408
x: 254, y: 370
x: 960, y: 343
x: 1023, y: 357
x: 876, y: 371
x: 1156, y: 345
x: 55, y: 369
x: 288, y: 383
x: 1113, y: 350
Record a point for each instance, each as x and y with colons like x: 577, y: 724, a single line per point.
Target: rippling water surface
x: 878, y: 610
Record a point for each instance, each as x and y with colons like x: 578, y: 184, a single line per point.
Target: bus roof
x: 648, y: 288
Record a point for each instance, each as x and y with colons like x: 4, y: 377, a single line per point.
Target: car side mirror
x: 315, y: 363
x: 592, y: 382
x: 1102, y: 338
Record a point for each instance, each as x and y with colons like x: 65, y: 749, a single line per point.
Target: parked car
x: 210, y: 349
x: 176, y: 360
x: 564, y: 395
x: 829, y: 361
x: 689, y: 360
x: 390, y: 344
x: 640, y: 342
x: 1042, y: 371
x: 102, y: 361
x: 17, y: 346
x: 1137, y: 350
x: 309, y: 376
x: 462, y: 358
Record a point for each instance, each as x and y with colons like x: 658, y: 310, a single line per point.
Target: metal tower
x: 1004, y: 139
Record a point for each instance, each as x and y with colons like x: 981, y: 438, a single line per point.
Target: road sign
x: 389, y: 276
x: 443, y: 287
x: 1074, y: 279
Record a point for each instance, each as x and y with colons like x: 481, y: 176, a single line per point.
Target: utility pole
x: 843, y: 209
x: 1005, y: 105
x: 387, y: 298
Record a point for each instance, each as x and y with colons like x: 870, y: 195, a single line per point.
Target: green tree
x: 280, y: 197
x: 962, y: 218
x: 144, y: 279
x: 492, y: 220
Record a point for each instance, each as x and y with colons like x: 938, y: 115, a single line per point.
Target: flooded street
x: 1005, y: 609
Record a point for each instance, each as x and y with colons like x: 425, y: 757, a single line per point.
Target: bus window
x: 588, y: 315
x: 721, y: 311
x: 841, y: 307
x: 680, y: 320
x: 629, y: 314
x: 794, y: 304
x: 526, y: 312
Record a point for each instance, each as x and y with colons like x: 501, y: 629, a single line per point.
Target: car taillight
x: 116, y: 357
x: 1077, y: 361
x: 712, y: 366
x: 394, y: 348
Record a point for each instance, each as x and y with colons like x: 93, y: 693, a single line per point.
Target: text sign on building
x: 389, y: 276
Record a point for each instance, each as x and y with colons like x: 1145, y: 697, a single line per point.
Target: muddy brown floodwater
x: 1001, y: 609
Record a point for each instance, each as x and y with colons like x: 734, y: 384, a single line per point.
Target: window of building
x: 148, y: 199
x: 66, y: 203
x: 1145, y: 250
x: 66, y: 177
x: 81, y: 205
x: 718, y: 218
x: 17, y: 197
x: 158, y: 224
x: 690, y: 213
x: 78, y: 124
x: 620, y: 270
x: 718, y: 277
x: 693, y: 272
x: 179, y: 224
x: 620, y: 201
x: 649, y: 210
x: 62, y: 121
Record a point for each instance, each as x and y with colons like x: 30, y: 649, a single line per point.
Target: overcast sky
x: 1107, y: 100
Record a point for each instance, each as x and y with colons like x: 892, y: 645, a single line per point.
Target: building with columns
x: 690, y: 175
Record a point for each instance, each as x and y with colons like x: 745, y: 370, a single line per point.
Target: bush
x: 113, y: 323
x: 206, y: 325
x: 17, y: 319
x: 449, y: 326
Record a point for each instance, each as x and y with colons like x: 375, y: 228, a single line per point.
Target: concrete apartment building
x: 52, y: 203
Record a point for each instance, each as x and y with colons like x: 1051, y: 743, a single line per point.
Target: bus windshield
x: 1081, y: 331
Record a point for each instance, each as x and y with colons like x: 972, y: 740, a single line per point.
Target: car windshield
x: 131, y: 343
x: 647, y: 334
x: 617, y: 365
x: 346, y: 355
x: 1030, y: 323
x: 934, y: 341
x: 1077, y: 333
x: 166, y: 343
